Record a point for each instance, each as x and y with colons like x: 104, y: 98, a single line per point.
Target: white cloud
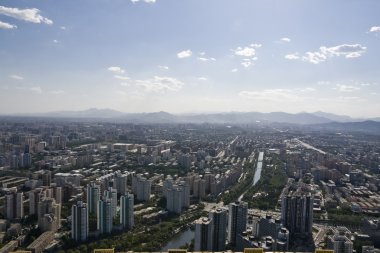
x: 234, y: 70
x: 117, y: 70
x: 28, y: 15
x: 246, y: 64
x: 324, y: 53
x: 256, y: 45
x: 163, y: 67
x: 121, y: 77
x: 374, y: 29
x: 56, y: 41
x: 184, y: 54
x: 292, y: 56
x: 56, y: 92
x: 16, y: 77
x: 273, y: 95
x: 160, y: 84
x: 314, y: 57
x: 36, y: 89
x: 246, y: 51
x: 346, y: 88
x: 347, y: 50
x: 202, y: 78
x: 278, y: 95
x: 285, y: 39
x: 307, y: 89
x: 4, y: 25
x: 204, y: 59
x: 63, y: 27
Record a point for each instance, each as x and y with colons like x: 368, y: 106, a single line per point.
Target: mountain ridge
x: 302, y: 118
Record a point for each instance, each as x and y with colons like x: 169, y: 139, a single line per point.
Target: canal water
x: 259, y: 168
x: 179, y: 240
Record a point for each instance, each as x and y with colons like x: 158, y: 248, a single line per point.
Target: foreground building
x: 126, y: 211
x: 219, y: 224
x: 79, y: 225
x: 203, y: 235
x: 297, y: 211
x: 105, y: 216
x: 237, y: 220
x: 49, y: 215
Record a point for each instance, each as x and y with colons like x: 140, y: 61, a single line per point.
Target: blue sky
x: 190, y: 56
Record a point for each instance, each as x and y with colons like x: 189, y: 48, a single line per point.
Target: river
x: 179, y: 240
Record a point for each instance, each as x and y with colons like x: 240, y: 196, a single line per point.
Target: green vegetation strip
x: 237, y: 190
x: 264, y: 195
x: 140, y: 239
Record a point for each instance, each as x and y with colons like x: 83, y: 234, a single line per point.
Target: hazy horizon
x: 180, y: 113
x: 190, y: 56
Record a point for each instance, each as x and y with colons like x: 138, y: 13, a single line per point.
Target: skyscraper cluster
x: 177, y: 195
x: 297, y: 210
x: 210, y: 233
x: 105, y: 208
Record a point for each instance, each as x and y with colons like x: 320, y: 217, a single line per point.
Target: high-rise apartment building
x: 121, y: 183
x: 177, y: 195
x: 111, y: 194
x: 297, y: 211
x: 105, y: 216
x: 49, y: 215
x: 237, y: 220
x: 203, y: 235
x: 340, y: 241
x: 93, y: 197
x: 174, y: 199
x: 79, y: 225
x: 126, y: 211
x: 219, y: 223
x: 141, y: 187
x: 35, y: 197
x: 14, y: 205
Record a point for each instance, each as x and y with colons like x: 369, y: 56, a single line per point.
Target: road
x: 308, y: 146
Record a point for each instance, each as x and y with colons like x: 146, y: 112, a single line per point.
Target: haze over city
x: 190, y: 56
x: 189, y: 126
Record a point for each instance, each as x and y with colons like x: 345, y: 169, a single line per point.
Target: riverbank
x: 179, y: 240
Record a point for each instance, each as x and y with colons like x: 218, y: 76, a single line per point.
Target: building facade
x: 237, y: 220
x: 79, y: 224
x: 126, y: 211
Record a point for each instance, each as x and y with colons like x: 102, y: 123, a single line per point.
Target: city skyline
x: 190, y: 56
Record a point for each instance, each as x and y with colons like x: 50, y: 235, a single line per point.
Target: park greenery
x: 345, y: 217
x: 140, y: 239
x: 264, y: 195
x: 238, y: 189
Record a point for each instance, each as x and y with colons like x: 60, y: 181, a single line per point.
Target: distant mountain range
x: 219, y: 118
x: 368, y: 126
x: 317, y: 120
